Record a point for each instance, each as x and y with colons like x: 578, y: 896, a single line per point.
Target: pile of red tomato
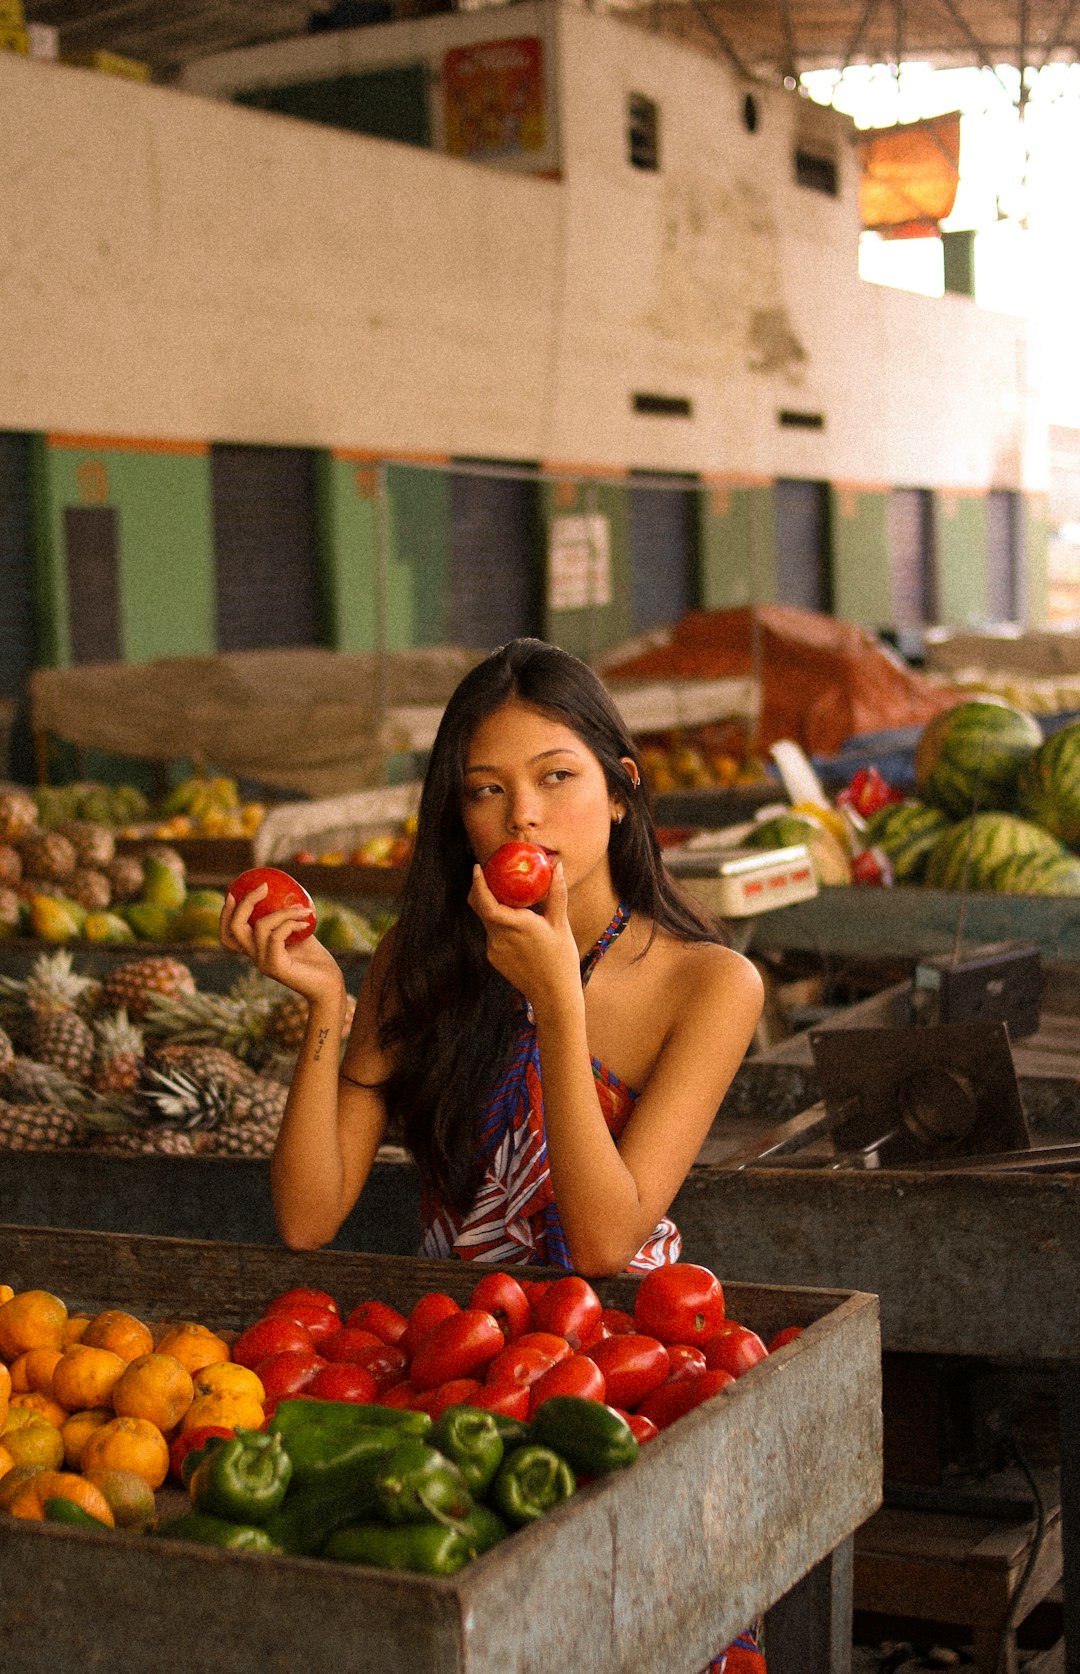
x: 516, y: 1342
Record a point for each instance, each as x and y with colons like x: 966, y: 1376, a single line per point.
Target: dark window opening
x: 665, y: 406
x: 820, y: 174
x: 751, y: 115
x: 643, y: 132
x: 496, y: 576
x: 664, y: 541
x: 91, y: 536
x: 265, y: 547
x: 792, y: 420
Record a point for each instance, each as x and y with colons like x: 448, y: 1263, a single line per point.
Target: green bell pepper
x: 424, y: 1548
x: 514, y: 1431
x: 244, y: 1480
x: 470, y: 1437
x: 531, y: 1481
x: 207, y: 1530
x: 590, y: 1436
x: 418, y: 1484
x: 324, y: 1438
x: 59, y: 1510
x: 341, y: 1491
x: 483, y: 1527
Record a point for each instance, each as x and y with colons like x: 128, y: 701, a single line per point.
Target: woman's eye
x: 479, y: 793
x: 557, y: 775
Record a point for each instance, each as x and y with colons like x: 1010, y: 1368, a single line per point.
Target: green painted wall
x: 589, y: 631
x: 859, y: 537
x: 418, y: 556
x: 348, y: 536
x: 738, y: 537
x: 959, y: 523
x: 1035, y: 549
x: 165, y: 560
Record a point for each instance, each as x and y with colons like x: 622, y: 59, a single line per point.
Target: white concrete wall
x: 171, y: 265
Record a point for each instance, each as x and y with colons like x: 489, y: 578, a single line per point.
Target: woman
x: 553, y: 1070
x: 594, y: 1037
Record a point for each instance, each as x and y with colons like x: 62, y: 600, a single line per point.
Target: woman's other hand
x: 306, y: 967
x: 532, y: 947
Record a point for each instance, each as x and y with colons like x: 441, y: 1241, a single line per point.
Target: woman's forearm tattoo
x: 320, y: 1043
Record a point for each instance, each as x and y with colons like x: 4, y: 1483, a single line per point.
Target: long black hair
x: 447, y: 1017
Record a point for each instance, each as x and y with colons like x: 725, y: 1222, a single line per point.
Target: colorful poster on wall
x: 579, y: 563
x: 494, y: 93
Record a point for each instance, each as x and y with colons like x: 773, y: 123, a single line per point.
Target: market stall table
x: 644, y: 1572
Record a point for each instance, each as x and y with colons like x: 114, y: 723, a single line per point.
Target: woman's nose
x: 521, y: 813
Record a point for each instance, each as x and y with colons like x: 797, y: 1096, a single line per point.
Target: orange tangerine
x: 195, y: 1346
x: 85, y: 1376
x: 34, y: 1370
x: 130, y: 1497
x: 129, y: 1444
x: 7, y: 1463
x: 5, y: 1393
x: 12, y: 1481
x: 227, y: 1378
x: 31, y: 1319
x: 77, y: 1430
x: 34, y: 1441
x: 234, y: 1412
x: 155, y: 1387
x: 29, y: 1500
x: 44, y: 1405
x: 122, y: 1332
x: 6, y: 1293
x: 73, y: 1330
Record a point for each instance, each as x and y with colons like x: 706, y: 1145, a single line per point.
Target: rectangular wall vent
x: 664, y: 406
x: 800, y: 421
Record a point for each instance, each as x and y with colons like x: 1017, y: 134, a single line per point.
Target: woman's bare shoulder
x: 703, y: 970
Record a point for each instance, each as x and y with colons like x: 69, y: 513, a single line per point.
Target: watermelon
x: 969, y: 757
x: 1036, y: 874
x: 993, y: 839
x: 830, y: 862
x: 1048, y: 788
x: 907, y: 831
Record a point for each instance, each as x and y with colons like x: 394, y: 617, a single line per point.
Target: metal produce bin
x: 646, y: 1572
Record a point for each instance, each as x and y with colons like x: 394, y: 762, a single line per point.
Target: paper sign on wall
x: 579, y: 563
x: 494, y: 95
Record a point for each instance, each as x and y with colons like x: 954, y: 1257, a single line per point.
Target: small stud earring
x: 618, y: 818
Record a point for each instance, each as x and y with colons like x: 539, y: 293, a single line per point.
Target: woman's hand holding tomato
x: 271, y: 924
x: 533, y: 948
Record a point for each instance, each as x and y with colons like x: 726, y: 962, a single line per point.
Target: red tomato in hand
x: 633, y: 1366
x: 269, y: 1336
x: 288, y: 1372
x: 734, y: 1349
x: 281, y: 891
x: 500, y: 1294
x: 519, y: 874
x: 576, y: 1376
x: 570, y: 1308
x: 681, y: 1395
x: 343, y: 1381
x: 432, y: 1307
x: 380, y: 1318
x: 464, y: 1343
x: 680, y: 1303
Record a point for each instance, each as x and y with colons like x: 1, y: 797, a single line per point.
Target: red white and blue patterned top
x: 514, y: 1217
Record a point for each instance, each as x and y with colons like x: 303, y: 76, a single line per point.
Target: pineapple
x: 238, y: 1025
x: 145, y: 1141
x: 38, y: 1127
x: 44, y: 1010
x: 89, y: 889
x: 174, y: 1099
x: 287, y: 1021
x: 7, y: 1052
x: 10, y: 864
x: 18, y: 814
x: 94, y: 844
x: 257, y: 1117
x: 224, y: 1119
x: 10, y: 912
x: 118, y: 1061
x: 48, y: 856
x: 204, y: 1063
x: 126, y: 875
x: 26, y: 1081
x: 137, y: 983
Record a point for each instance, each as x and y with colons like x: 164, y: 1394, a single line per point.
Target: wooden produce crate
x: 645, y: 1572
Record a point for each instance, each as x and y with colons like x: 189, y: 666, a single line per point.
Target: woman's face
x: 531, y: 779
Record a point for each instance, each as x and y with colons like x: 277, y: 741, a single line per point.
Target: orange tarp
x: 909, y: 174
x: 822, y: 681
